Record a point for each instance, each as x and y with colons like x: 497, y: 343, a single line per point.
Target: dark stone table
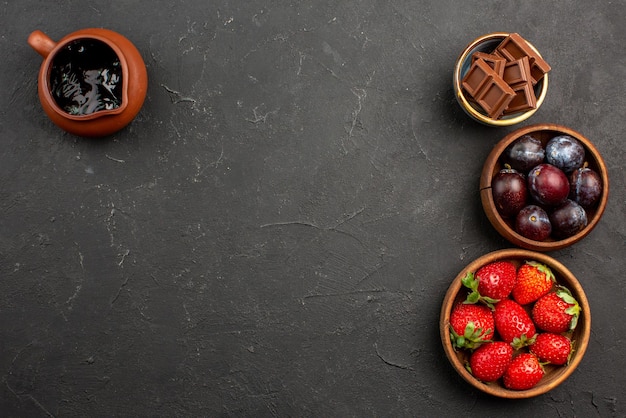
x: 275, y: 231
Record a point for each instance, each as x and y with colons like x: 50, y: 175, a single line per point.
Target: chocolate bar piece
x: 495, y: 96
x: 476, y: 77
x: 524, y: 98
x: 494, y: 61
x: 538, y: 69
x: 517, y: 72
x: 514, y: 47
x: 487, y: 88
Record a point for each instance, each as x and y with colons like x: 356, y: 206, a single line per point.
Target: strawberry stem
x: 469, y: 281
x: 574, y: 309
x: 472, y: 337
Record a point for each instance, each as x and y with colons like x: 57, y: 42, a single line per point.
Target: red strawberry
x: 491, y: 283
x: 552, y: 348
x: 533, y: 281
x: 490, y: 360
x: 513, y: 323
x: 470, y: 325
x: 524, y: 372
x: 556, y: 312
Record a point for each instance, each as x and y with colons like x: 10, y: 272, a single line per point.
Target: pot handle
x: 41, y: 43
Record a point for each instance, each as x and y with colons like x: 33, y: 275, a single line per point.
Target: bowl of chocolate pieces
x: 500, y: 79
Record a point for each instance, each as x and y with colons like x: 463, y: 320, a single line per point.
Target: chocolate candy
x: 517, y: 72
x: 524, y: 99
x: 494, y: 61
x: 488, y: 88
x: 502, y: 82
x: 514, y: 47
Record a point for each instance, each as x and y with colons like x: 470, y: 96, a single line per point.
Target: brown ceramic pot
x: 87, y: 101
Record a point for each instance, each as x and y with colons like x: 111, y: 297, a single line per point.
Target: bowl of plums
x: 544, y: 187
x: 500, y: 79
x: 515, y: 323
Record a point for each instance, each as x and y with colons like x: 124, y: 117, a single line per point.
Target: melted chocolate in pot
x: 86, y: 77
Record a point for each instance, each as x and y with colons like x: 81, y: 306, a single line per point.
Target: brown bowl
x: 133, y: 81
x: 543, y: 132
x: 487, y: 43
x: 555, y: 375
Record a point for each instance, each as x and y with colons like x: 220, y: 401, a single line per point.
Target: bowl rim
x: 471, y: 110
x: 559, y: 270
x: 487, y: 197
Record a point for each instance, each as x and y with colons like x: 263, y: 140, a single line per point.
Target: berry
x: 524, y: 153
x: 568, y: 219
x: 565, y: 152
x: 556, y: 312
x: 471, y: 325
x: 552, y: 348
x: 548, y: 185
x: 533, y: 281
x: 509, y: 191
x: 533, y: 223
x: 489, y: 362
x: 514, y: 324
x: 524, y: 372
x: 491, y: 283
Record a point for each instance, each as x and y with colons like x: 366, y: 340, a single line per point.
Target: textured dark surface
x: 274, y: 233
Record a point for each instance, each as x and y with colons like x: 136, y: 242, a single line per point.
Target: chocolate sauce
x: 86, y: 77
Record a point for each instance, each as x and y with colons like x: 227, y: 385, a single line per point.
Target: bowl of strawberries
x: 515, y: 323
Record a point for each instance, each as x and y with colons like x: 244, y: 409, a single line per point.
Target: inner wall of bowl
x: 85, y: 77
x: 488, y: 47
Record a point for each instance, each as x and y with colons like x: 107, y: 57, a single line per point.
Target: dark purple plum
x: 565, y: 152
x: 509, y: 191
x: 548, y: 185
x: 568, y: 219
x: 585, y: 186
x: 524, y: 153
x: 533, y: 223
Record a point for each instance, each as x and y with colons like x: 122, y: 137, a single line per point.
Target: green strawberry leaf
x: 573, y: 322
x: 571, y: 351
x: 458, y: 342
x: 471, y: 339
x: 574, y: 309
x: 472, y: 298
x: 469, y: 281
x: 490, y: 302
x: 469, y: 330
x: 523, y: 341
